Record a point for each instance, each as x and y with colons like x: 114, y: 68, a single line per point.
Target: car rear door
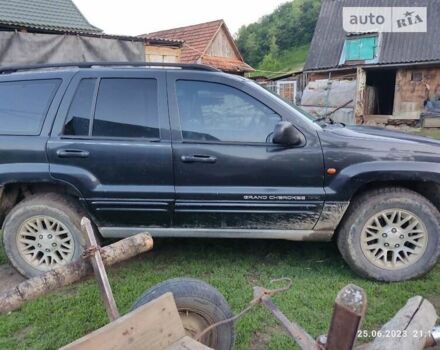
x: 228, y: 173
x: 111, y: 141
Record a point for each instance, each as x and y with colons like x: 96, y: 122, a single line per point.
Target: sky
x: 135, y: 17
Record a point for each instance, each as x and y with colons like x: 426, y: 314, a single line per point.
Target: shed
x: 395, y: 73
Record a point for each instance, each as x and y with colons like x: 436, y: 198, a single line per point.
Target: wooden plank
x: 100, y: 272
x: 415, y: 320
x: 154, y: 326
x: 187, y: 343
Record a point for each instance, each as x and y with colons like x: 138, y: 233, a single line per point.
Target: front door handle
x: 72, y: 153
x: 198, y: 158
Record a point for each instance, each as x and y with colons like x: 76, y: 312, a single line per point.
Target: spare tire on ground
x: 200, y: 305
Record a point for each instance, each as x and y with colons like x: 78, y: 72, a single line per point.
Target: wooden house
x: 208, y: 43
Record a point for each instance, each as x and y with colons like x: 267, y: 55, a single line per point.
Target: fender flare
x: 347, y: 182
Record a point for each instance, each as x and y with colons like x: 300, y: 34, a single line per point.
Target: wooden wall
x: 410, y: 95
x: 165, y: 54
x: 221, y: 46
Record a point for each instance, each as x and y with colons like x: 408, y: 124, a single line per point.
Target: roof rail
x: 13, y: 69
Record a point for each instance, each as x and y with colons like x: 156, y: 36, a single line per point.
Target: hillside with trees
x: 279, y: 42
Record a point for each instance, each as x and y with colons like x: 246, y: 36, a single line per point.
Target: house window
x: 360, y: 48
x: 416, y: 76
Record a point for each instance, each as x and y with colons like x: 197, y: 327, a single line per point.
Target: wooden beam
x: 361, y: 86
x: 348, y: 313
x: 301, y: 337
x: 99, y: 269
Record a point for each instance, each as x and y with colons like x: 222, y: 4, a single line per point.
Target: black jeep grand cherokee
x: 192, y: 152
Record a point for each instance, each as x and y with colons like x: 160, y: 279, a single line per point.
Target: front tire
x: 391, y: 234
x: 43, y: 232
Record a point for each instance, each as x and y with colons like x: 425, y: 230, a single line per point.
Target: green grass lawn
x: 291, y: 60
x: 435, y: 133
x: 233, y: 266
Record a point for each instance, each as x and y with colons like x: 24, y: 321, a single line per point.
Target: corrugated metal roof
x: 47, y: 15
x: 328, y: 40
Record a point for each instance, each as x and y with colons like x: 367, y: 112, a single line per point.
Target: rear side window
x: 127, y: 108
x: 80, y: 112
x: 24, y: 105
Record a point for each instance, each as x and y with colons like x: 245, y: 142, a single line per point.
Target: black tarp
x: 20, y: 48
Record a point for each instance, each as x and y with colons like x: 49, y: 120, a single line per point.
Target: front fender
x: 345, y: 183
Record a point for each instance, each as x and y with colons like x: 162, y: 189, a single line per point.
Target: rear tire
x: 200, y: 305
x: 391, y: 234
x: 43, y: 232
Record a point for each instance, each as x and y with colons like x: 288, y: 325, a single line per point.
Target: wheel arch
x: 429, y: 189
x: 354, y: 180
x: 13, y: 193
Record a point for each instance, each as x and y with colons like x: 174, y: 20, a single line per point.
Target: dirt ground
x: 9, y: 277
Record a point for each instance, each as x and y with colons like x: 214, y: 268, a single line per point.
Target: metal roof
x: 395, y: 48
x: 45, y: 15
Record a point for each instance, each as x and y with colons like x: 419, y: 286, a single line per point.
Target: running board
x: 292, y: 235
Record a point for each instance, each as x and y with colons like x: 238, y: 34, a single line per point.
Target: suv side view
x: 185, y: 150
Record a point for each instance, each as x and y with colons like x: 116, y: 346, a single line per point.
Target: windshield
x: 295, y: 109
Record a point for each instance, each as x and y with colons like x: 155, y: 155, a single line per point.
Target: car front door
x: 228, y: 173
x: 111, y: 141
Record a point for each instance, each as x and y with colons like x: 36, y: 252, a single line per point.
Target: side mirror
x: 287, y: 135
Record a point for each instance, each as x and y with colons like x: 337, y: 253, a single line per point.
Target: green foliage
x: 290, y: 26
x: 287, y: 61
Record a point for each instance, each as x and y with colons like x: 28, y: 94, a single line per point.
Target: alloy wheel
x: 44, y: 243
x: 394, y: 239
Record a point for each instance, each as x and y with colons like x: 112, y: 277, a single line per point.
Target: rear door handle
x: 198, y: 158
x: 72, y: 153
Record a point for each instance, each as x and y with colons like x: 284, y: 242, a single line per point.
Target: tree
x: 291, y: 25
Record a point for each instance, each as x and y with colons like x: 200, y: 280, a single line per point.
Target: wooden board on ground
x: 153, y: 326
x: 408, y: 329
x: 431, y: 122
x: 188, y: 343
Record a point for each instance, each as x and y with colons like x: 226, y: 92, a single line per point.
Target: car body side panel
x: 366, y: 155
x: 23, y: 158
x: 123, y: 181
x: 250, y: 186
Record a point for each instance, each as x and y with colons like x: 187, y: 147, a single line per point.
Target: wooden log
x: 99, y: 269
x: 409, y: 329
x: 62, y: 276
x: 348, y: 313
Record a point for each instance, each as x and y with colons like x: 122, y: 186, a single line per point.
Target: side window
x: 80, y: 111
x: 216, y: 112
x: 127, y: 108
x: 24, y: 105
